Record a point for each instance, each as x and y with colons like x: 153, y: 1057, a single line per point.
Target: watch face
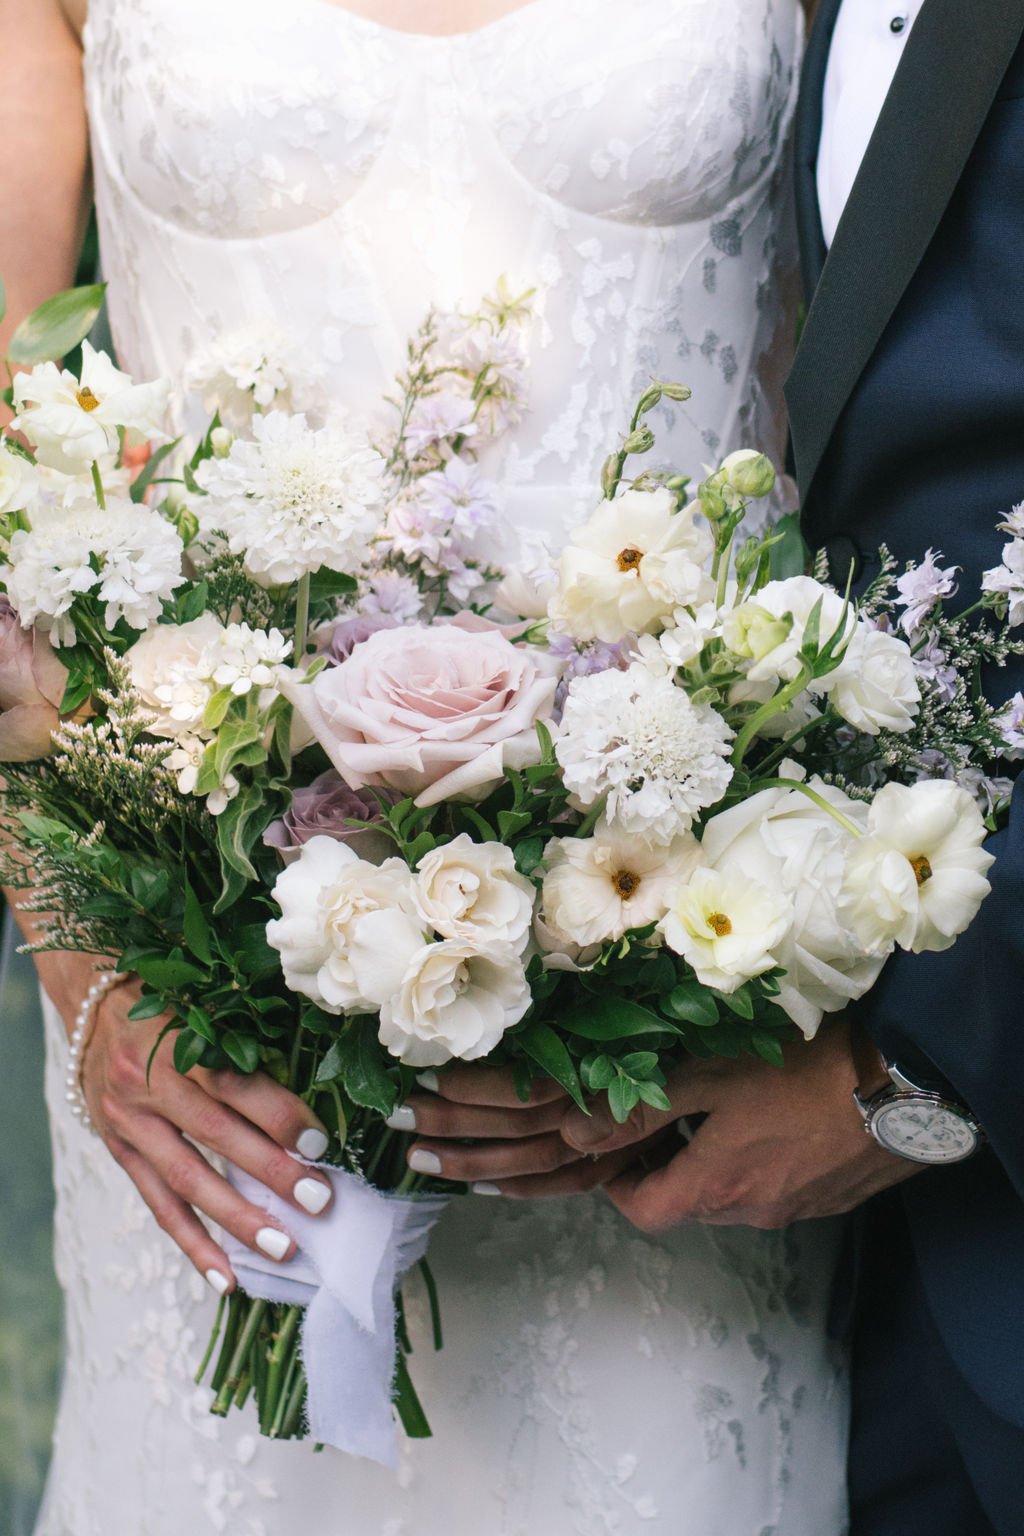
x: 925, y: 1130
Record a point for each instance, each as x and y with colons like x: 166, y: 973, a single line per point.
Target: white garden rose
x: 918, y: 878
x: 874, y: 687
x: 627, y: 569
x: 348, y: 929
x: 596, y: 888
x: 166, y: 673
x: 784, y: 841
x: 473, y: 891
x: 727, y: 927
x: 454, y: 1001
x: 72, y: 423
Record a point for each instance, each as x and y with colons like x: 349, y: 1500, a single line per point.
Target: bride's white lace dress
x: 283, y: 159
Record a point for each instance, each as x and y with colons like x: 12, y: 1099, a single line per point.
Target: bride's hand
x: 473, y: 1128
x: 249, y: 1120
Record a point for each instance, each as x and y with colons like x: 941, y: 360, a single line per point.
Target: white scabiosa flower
x: 473, y: 891
x: 254, y: 369
x: 628, y: 568
x: 71, y: 423
x: 727, y: 927
x: 126, y: 556
x: 597, y: 888
x: 640, y: 740
x: 918, y: 878
x: 293, y: 499
x: 455, y: 1001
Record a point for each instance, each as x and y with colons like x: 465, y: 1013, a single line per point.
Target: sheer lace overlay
x: 291, y: 160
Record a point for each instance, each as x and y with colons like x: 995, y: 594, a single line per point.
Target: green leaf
x: 740, y: 1002
x: 241, y: 1049
x: 614, y: 1018
x: 789, y: 554
x: 188, y: 1050
x: 253, y: 956
x: 325, y: 584
x: 654, y: 1095
x: 424, y: 844
x: 639, y: 1064
x: 767, y: 1046
x: 597, y: 1072
x: 690, y: 1002
x: 623, y: 1097
x: 544, y: 1047
x: 192, y: 603
x: 357, y: 1058
x: 57, y: 326
x: 512, y: 822
x: 197, y: 929
x: 163, y: 971
x: 812, y: 631
x: 483, y: 826
x: 144, y: 479
x: 200, y: 1023
x: 529, y: 854
x: 147, y: 1007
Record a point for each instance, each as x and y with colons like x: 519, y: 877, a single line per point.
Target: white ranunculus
x: 19, y: 486
x: 627, y: 569
x: 454, y: 1001
x: 727, y: 927
x: 72, y: 422
x: 596, y: 888
x: 166, y: 673
x: 918, y: 878
x: 347, y: 930
x: 874, y: 687
x: 784, y: 841
x: 473, y: 891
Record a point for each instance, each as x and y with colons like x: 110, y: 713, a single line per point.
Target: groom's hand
x: 778, y: 1144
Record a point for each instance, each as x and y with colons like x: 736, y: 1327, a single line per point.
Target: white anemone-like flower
x: 127, y: 556
x: 254, y: 369
x: 628, y: 568
x: 918, y: 878
x: 455, y: 1001
x: 71, y: 423
x: 728, y: 927
x: 348, y: 929
x: 1005, y: 582
x: 293, y: 499
x: 597, y: 888
x: 640, y: 740
x: 473, y: 891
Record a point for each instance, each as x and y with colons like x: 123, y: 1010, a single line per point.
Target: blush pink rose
x: 32, y: 683
x: 438, y: 712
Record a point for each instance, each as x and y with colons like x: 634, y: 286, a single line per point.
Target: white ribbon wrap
x: 345, y: 1273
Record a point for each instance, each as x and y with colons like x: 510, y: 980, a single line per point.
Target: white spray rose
x: 454, y: 1001
x: 166, y: 673
x: 596, y: 888
x: 473, y: 891
x: 918, y: 878
x: 72, y: 422
x: 728, y: 927
x: 874, y: 687
x: 627, y: 569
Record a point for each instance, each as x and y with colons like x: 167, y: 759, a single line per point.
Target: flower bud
x: 749, y: 473
x: 220, y: 441
x: 610, y: 473
x: 649, y: 399
x: 640, y: 441
x: 678, y: 392
x: 712, y: 502
x: 752, y: 632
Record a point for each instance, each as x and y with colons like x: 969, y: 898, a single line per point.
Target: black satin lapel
x: 951, y: 69
x: 806, y: 138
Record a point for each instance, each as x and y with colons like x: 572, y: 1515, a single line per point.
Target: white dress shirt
x: 867, y: 46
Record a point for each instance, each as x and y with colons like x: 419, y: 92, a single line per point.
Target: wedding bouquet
x: 288, y: 736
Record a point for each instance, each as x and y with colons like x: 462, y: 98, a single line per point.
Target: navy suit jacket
x: 907, y: 415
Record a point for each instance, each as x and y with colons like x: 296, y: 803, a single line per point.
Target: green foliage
x: 57, y: 326
x: 355, y: 1059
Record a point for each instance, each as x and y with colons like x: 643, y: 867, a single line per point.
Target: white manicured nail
x: 312, y: 1144
x: 312, y: 1195
x: 485, y: 1189
x: 402, y: 1119
x: 421, y: 1161
x: 273, y: 1242
x: 428, y: 1081
x: 218, y: 1280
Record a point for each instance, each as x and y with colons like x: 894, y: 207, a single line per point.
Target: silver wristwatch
x: 914, y: 1122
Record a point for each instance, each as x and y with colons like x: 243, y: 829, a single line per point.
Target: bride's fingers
x: 283, y: 1115
x: 491, y: 1086
x: 175, y: 1216
x: 189, y: 1176
x: 488, y: 1161
x: 429, y: 1115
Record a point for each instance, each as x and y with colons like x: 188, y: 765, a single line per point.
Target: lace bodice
x: 254, y: 159
x: 284, y: 159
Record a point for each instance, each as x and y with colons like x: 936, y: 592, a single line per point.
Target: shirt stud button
x: 898, y: 25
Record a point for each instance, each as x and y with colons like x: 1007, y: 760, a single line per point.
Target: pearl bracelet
x: 78, y: 1042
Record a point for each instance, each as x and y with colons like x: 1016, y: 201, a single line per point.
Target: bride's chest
x: 248, y: 117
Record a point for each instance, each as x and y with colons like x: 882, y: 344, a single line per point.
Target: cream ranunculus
x: 454, y: 1001
x: 627, y: 569
x: 596, y: 888
x: 72, y: 422
x: 167, y: 676
x: 874, y: 687
x: 918, y: 878
x: 347, y: 930
x: 473, y: 891
x: 727, y: 927
x: 784, y: 841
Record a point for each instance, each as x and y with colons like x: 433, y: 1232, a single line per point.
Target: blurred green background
x: 30, y: 1310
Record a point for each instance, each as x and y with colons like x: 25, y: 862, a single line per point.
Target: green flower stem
x: 720, y: 568
x: 282, y: 1358
x: 214, y: 1336
x: 812, y: 794
x: 783, y: 747
x: 257, y: 1310
x: 591, y: 819
x: 97, y: 483
x: 296, y: 1403
x: 774, y: 706
x: 301, y: 617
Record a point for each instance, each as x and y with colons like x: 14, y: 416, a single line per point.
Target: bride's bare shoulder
x: 75, y: 12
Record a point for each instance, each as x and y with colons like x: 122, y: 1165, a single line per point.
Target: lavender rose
x: 338, y: 641
x: 324, y: 809
x: 437, y: 712
x: 32, y: 683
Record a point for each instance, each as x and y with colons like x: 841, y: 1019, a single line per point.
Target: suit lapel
x: 948, y: 77
x: 806, y: 139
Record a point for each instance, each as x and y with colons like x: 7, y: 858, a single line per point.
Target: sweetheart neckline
x: 371, y: 23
